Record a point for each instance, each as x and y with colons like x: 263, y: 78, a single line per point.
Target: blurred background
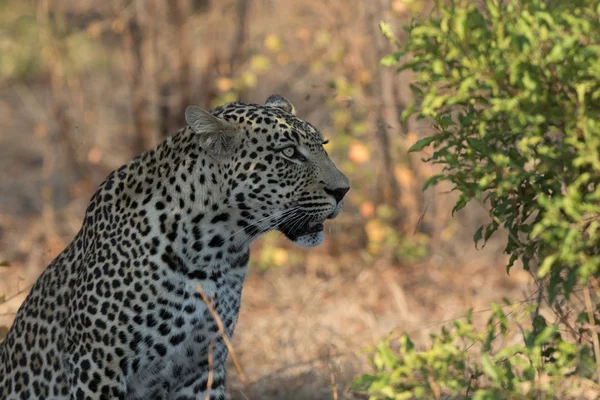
x: 87, y: 85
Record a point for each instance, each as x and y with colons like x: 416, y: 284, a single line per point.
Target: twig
x: 539, y: 304
x: 332, y: 383
x: 134, y: 38
x: 430, y: 324
x: 474, y: 376
x: 421, y: 219
x: 209, y: 380
x: 386, y: 111
x: 62, y: 120
x: 16, y: 295
x: 595, y: 285
x: 434, y: 388
x: 590, y: 313
x: 507, y: 314
x: 562, y: 317
x: 240, y: 36
x: 219, y: 322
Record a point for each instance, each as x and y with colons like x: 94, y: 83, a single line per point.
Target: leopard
x: 141, y: 303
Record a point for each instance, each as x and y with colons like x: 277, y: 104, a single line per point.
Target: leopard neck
x: 191, y: 225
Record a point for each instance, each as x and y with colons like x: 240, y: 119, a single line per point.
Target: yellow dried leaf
x: 224, y: 68
x: 224, y: 84
x: 280, y: 256
x: 303, y: 33
x: 283, y: 59
x: 448, y: 232
x: 411, y: 138
x: 40, y: 131
x: 385, y: 211
x: 322, y: 39
x: 358, y: 153
x: 375, y: 231
x: 260, y: 63
x: 341, y: 118
x: 367, y: 209
x: 94, y: 155
x: 404, y: 175
x: 273, y: 43
x: 317, y: 67
x: 399, y: 6
x: 248, y: 79
x: 364, y: 77
x: 117, y: 26
x: 94, y: 30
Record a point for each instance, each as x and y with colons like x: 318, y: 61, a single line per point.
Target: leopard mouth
x: 336, y: 210
x: 295, y: 231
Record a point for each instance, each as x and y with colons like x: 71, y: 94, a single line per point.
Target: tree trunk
x: 134, y: 39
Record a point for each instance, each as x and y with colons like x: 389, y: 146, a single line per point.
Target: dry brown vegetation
x: 86, y: 85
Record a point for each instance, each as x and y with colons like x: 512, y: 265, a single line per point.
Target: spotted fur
x: 117, y: 314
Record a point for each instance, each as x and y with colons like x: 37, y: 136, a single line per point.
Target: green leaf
x: 491, y: 370
x: 477, y: 235
x: 510, y: 351
x: 392, y: 59
x: 513, y: 257
x: 434, y: 180
x: 363, y: 382
x: 546, y: 265
x: 438, y: 67
x: 386, y: 30
x: 545, y: 335
x: 499, y: 313
x: 388, y: 358
x: 460, y: 204
x: 489, y: 230
x: 529, y: 373
x: 422, y: 143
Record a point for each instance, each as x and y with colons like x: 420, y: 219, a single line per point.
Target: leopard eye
x: 292, y: 153
x: 289, y: 152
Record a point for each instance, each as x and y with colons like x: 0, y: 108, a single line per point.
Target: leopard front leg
x: 206, y: 378
x: 202, y: 385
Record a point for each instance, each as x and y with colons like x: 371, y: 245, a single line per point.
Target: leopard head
x: 275, y: 171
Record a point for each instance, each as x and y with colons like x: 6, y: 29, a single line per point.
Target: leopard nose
x: 338, y: 194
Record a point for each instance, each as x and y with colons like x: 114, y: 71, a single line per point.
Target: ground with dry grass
x: 300, y: 331
x: 293, y: 343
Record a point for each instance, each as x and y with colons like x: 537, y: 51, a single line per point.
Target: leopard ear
x: 217, y: 136
x: 281, y: 102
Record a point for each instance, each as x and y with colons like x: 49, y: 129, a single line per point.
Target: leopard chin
x: 310, y: 239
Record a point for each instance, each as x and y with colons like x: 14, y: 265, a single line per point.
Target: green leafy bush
x: 513, y: 91
x: 541, y: 366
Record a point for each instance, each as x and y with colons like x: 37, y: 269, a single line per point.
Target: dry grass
x: 285, y: 337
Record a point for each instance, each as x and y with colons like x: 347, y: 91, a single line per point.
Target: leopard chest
x: 185, y: 332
